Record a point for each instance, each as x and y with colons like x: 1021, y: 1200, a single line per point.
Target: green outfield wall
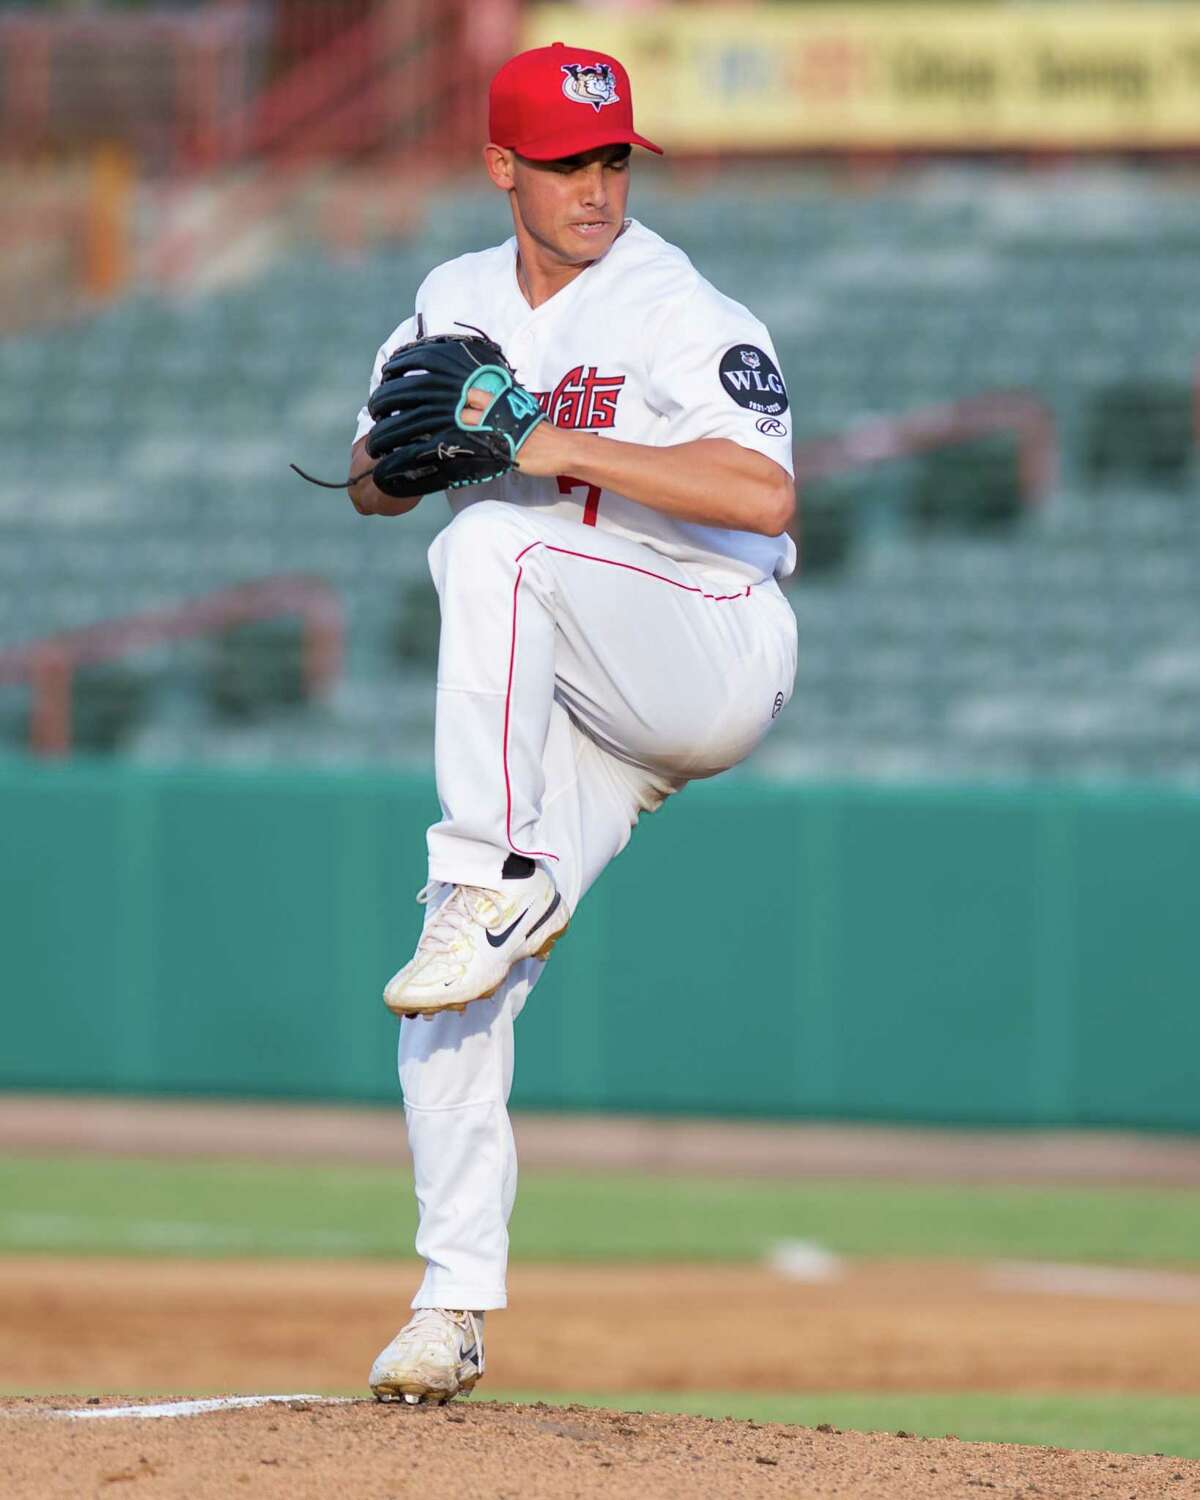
x: 1023, y: 955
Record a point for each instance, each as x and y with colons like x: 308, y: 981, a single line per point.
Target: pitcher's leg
x: 456, y: 1070
x: 456, y: 1073
x: 495, y: 691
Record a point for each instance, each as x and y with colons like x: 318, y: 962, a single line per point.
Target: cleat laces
x: 427, y: 1320
x: 452, y: 922
x: 430, y: 1323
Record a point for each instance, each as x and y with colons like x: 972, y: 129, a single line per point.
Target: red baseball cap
x: 560, y: 101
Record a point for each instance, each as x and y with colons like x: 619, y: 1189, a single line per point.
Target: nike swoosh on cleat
x: 498, y: 940
x: 547, y: 913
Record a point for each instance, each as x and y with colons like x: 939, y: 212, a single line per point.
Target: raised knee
x: 487, y: 532
x: 487, y: 525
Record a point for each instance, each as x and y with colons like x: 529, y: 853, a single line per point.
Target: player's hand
x: 365, y: 498
x: 368, y: 501
x: 542, y: 451
x: 477, y: 402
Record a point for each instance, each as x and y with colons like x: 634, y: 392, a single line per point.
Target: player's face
x: 573, y: 208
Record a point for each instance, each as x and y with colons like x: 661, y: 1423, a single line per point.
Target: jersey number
x: 567, y: 483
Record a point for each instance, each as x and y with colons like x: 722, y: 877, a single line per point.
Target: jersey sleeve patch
x: 750, y: 377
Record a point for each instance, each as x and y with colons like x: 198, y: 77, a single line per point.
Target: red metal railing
x: 301, y: 28
x: 331, y: 105
x: 213, y: 86
x: 306, y: 91
x: 159, y: 81
x: 49, y: 665
x: 236, y: 123
x: 407, y: 77
x: 406, y: 84
x: 883, y: 438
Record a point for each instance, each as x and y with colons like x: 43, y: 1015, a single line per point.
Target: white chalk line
x: 181, y: 1408
x: 1131, y: 1283
x: 59, y: 1230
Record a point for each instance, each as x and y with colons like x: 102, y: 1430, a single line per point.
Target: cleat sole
x: 420, y: 1395
x: 543, y: 952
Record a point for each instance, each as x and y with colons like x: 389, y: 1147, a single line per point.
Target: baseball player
x: 611, y: 624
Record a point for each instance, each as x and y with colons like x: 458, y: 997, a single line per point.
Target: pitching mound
x: 305, y: 1446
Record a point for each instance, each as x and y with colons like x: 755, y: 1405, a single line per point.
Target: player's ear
x: 499, y: 163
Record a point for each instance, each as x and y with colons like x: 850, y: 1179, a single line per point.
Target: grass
x: 89, y: 1205
x: 1115, y: 1423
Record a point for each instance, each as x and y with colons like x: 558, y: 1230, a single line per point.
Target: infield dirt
x: 197, y: 1326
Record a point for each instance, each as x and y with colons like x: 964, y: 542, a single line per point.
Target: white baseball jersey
x: 639, y: 347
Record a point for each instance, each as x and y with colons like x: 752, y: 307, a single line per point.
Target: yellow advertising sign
x: 773, y: 76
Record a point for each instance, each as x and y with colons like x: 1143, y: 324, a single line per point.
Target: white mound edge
x: 184, y: 1408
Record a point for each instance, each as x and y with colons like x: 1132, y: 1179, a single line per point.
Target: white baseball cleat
x: 472, y: 937
x: 436, y: 1356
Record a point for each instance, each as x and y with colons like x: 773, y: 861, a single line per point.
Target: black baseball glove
x: 419, y: 441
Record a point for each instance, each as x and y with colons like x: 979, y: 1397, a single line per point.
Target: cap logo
x: 590, y: 83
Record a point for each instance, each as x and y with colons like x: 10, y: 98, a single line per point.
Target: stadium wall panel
x: 1015, y: 955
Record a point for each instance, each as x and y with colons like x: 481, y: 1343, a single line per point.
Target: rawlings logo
x: 590, y: 83
x: 582, y: 399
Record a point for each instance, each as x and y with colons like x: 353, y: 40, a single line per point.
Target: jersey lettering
x: 583, y: 399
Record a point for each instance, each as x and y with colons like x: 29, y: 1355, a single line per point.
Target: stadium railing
x: 49, y: 665
x: 941, y: 426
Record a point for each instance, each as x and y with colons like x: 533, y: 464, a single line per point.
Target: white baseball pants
x: 582, y: 678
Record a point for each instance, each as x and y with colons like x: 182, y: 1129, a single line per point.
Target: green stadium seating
x: 148, y: 453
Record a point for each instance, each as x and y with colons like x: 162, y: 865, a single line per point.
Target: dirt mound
x: 302, y: 1448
